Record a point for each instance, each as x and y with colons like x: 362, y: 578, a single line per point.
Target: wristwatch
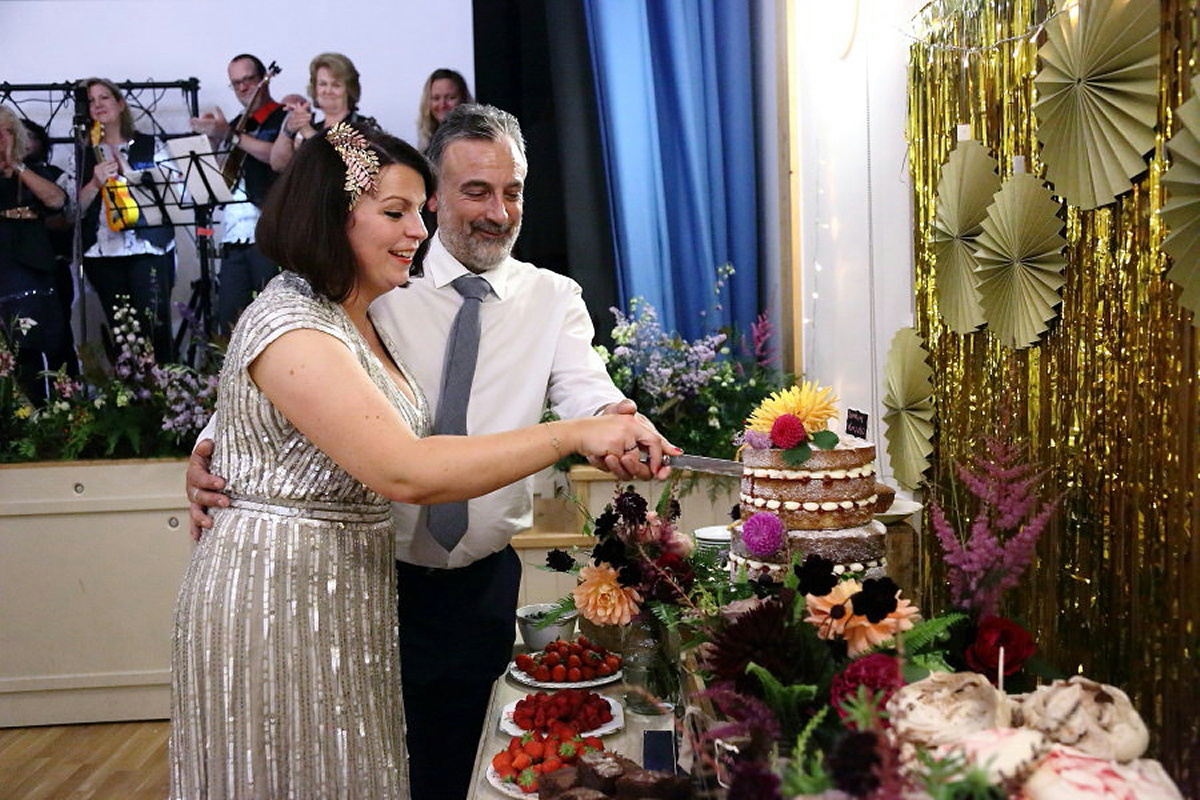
x: 233, y: 140
x: 20, y: 168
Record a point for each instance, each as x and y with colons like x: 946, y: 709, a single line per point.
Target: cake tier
x: 847, y: 546
x: 852, y: 550
x: 832, y: 489
x: 754, y: 568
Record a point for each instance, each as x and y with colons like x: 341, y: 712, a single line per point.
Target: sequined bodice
x: 258, y: 451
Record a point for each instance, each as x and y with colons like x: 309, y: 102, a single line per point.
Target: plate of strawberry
x: 564, y: 713
x: 515, y: 770
x: 578, y: 664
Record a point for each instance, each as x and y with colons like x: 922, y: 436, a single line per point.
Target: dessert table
x: 627, y: 741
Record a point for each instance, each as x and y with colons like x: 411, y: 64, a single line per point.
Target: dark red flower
x: 787, y: 431
x: 983, y: 655
x: 878, y: 672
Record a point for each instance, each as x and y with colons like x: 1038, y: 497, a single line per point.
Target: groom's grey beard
x: 480, y: 255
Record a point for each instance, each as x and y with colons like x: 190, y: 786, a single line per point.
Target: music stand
x: 205, y: 190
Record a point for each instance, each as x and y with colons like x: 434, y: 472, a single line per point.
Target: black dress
x: 27, y: 286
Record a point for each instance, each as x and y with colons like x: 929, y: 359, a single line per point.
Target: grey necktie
x: 448, y: 521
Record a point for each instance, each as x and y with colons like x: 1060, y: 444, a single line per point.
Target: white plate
x: 612, y: 726
x: 506, y: 787
x: 522, y: 677
x: 901, y: 510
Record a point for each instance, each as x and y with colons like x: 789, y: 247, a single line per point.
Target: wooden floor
x: 112, y: 761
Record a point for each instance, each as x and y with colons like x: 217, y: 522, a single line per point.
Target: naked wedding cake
x: 806, y: 490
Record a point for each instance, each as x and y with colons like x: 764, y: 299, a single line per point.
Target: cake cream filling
x: 838, y: 569
x: 865, y: 471
x: 795, y: 505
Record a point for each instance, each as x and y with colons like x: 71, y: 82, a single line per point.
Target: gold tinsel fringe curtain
x: 1107, y: 400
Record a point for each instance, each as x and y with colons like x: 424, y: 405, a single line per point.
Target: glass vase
x: 651, y: 666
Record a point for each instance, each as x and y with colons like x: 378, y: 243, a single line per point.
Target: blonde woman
x: 444, y: 90
x: 334, y: 89
x: 28, y: 194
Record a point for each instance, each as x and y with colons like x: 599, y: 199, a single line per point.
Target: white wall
x: 395, y: 44
x: 851, y: 62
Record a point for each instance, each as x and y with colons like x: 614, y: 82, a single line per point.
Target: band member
x: 127, y: 260
x: 248, y: 136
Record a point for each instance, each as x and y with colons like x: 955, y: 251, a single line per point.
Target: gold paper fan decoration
x: 965, y: 189
x: 1098, y: 97
x: 1020, y: 261
x: 1182, y: 211
x: 909, y: 401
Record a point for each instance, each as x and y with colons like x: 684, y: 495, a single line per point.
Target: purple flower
x: 763, y: 534
x: 758, y: 440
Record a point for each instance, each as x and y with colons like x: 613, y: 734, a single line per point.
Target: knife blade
x: 715, y: 466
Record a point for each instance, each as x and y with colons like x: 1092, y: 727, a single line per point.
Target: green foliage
x: 805, y: 773
x: 788, y: 703
x: 133, y: 408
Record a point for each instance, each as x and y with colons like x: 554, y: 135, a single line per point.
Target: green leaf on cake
x: 795, y: 456
x: 826, y: 440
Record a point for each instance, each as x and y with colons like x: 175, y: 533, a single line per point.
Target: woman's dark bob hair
x: 303, y: 222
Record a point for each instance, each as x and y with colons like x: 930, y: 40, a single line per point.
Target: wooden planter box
x: 91, y: 558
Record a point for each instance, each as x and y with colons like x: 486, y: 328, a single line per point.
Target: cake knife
x: 716, y: 466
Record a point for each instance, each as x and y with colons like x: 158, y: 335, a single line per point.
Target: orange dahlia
x: 602, y: 600
x: 831, y: 612
x: 862, y: 634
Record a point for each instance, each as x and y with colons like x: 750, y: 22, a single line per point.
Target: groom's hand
x: 627, y: 466
x: 203, y: 488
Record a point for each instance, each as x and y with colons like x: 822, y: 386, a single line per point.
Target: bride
x: 285, y: 651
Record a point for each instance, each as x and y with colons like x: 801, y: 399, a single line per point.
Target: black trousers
x: 146, y: 280
x: 457, y: 630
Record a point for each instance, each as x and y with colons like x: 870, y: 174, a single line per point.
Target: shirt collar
x: 442, y: 268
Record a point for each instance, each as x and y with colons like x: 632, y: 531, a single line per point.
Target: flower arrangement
x: 138, y: 408
x: 697, y: 392
x: 793, y: 420
x: 641, y: 563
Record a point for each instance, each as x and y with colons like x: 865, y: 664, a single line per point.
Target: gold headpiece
x: 362, y: 163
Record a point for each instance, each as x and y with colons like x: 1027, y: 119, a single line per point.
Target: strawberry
x: 533, y: 749
x: 525, y: 663
x: 551, y: 659
x: 592, y: 743
x: 502, y: 761
x: 574, y: 675
x: 569, y: 749
x: 603, y: 671
x: 612, y: 662
x: 528, y: 781
x: 521, y: 761
x: 583, y: 641
x: 574, y: 660
x: 542, y: 674
x: 558, y: 674
x: 588, y: 673
x: 551, y: 763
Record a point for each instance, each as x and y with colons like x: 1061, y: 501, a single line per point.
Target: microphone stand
x: 79, y: 138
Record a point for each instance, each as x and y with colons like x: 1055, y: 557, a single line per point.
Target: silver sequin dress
x: 285, y: 668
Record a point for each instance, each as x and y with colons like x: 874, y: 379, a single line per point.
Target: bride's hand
x: 624, y: 436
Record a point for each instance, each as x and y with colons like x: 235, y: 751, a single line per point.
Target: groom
x: 457, y: 607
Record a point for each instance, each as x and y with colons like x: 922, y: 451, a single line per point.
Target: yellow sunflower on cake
x: 811, y: 404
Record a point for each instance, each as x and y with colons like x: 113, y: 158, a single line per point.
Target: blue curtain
x: 675, y: 88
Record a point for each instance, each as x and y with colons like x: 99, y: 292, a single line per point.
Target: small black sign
x: 856, y: 423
